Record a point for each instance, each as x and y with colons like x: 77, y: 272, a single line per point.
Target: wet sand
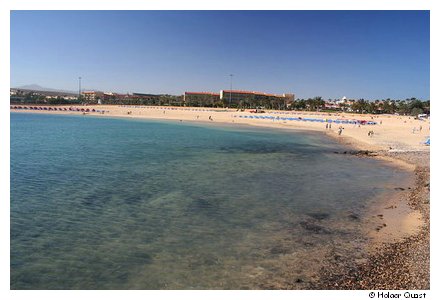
x: 397, y: 226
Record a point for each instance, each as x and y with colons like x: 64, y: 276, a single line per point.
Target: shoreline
x: 400, y: 264
x: 397, y: 133
x: 396, y: 260
x: 386, y: 253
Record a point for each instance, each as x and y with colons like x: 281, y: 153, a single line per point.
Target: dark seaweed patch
x: 314, y: 228
x: 208, y: 207
x: 353, y: 216
x: 319, y: 216
x: 141, y: 257
x: 279, y: 249
x: 132, y: 200
x: 95, y: 200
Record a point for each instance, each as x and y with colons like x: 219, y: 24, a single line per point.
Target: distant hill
x: 36, y: 87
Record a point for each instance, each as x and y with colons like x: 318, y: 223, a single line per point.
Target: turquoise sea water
x: 132, y: 204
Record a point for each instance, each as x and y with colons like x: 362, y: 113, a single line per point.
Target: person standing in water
x: 340, y: 130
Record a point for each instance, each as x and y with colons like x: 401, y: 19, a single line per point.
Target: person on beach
x: 420, y: 129
x: 330, y: 126
x: 340, y: 130
x: 326, y: 126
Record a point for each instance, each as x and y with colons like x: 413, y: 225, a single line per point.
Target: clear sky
x: 358, y: 54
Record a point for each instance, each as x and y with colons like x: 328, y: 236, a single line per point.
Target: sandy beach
x: 398, y: 227
x: 396, y: 133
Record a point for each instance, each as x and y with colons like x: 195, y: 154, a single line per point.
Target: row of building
x: 92, y: 96
x: 17, y: 92
x: 224, y: 97
x: 237, y: 97
x: 338, y: 103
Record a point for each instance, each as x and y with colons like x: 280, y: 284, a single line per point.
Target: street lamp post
x: 79, y: 87
x: 230, y: 91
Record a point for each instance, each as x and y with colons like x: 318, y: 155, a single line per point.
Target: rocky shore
x: 402, y: 265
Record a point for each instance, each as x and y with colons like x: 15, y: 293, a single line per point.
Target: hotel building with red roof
x: 235, y: 98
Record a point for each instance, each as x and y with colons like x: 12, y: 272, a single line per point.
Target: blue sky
x: 358, y: 54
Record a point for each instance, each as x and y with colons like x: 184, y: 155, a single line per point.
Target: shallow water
x: 132, y: 204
